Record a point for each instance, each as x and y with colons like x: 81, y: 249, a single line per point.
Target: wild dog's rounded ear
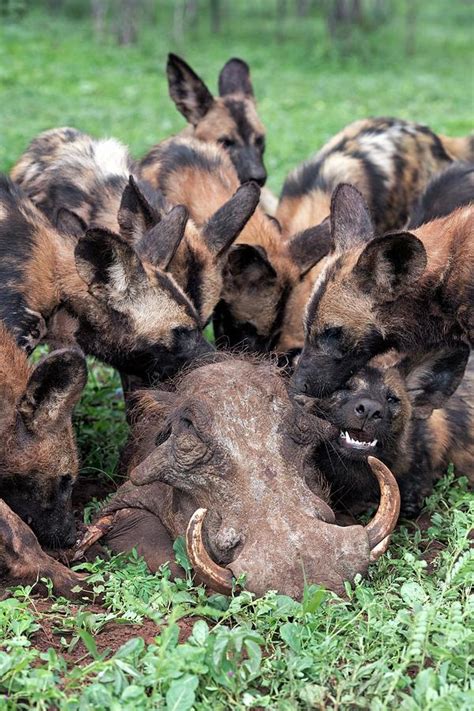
x: 69, y: 222
x: 53, y: 389
x: 225, y: 225
x: 432, y: 378
x: 308, y: 247
x: 351, y: 223
x: 235, y: 78
x: 191, y: 96
x: 248, y: 266
x: 391, y: 264
x: 140, y: 209
x: 107, y: 263
x: 158, y: 246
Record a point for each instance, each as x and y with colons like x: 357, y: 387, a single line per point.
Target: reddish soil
x: 112, y: 636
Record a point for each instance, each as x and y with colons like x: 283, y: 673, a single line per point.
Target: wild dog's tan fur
x: 390, y: 161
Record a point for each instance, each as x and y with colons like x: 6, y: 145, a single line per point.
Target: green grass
x: 403, y: 638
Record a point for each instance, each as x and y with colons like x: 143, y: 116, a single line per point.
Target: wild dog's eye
x: 260, y: 142
x: 65, y: 482
x: 392, y: 399
x: 226, y: 142
x: 332, y: 333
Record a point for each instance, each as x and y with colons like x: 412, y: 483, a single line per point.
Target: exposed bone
x: 388, y: 511
x: 94, y: 533
x: 213, y: 575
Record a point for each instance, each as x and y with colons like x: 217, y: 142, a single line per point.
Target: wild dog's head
x: 346, y: 321
x: 199, y: 259
x: 132, y: 314
x: 373, y: 411
x: 263, y: 287
x: 38, y: 456
x: 230, y: 119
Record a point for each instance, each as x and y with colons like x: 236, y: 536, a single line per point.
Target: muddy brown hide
x: 230, y: 441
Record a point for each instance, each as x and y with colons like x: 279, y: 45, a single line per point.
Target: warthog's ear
x: 188, y: 91
x: 351, y: 223
x: 248, y: 267
x: 158, y: 246
x: 391, y: 264
x: 235, y: 78
x: 139, y: 211
x: 107, y: 264
x: 69, y: 223
x: 53, y: 389
x: 433, y: 378
x: 308, y: 247
x: 225, y: 225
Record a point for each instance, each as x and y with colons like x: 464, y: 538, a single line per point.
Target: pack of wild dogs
x: 343, y: 321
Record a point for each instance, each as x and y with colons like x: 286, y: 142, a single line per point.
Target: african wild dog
x: 87, y: 183
x: 199, y: 260
x: 126, y: 312
x: 413, y: 291
x: 389, y: 160
x: 230, y: 119
x: 398, y: 409
x: 261, y: 269
x: 38, y: 457
x: 65, y: 171
x: 452, y: 188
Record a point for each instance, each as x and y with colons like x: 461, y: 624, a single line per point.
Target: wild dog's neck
x: 300, y: 213
x: 448, y: 243
x: 51, y: 276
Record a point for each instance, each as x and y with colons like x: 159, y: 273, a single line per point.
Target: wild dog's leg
x: 23, y: 562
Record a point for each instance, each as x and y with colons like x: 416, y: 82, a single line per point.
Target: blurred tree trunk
x: 127, y: 32
x: 341, y: 15
x: 281, y: 9
x: 410, y: 34
x: 302, y: 7
x: 98, y: 11
x: 216, y: 15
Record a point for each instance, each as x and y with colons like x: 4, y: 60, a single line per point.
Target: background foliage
x: 404, y: 637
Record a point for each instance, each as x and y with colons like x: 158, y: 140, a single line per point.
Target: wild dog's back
x: 389, y: 160
x: 65, y: 168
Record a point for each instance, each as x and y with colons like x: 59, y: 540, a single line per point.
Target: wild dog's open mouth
x: 357, y: 439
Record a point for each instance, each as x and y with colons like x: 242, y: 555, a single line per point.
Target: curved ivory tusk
x: 388, y: 511
x: 94, y: 533
x: 217, y: 578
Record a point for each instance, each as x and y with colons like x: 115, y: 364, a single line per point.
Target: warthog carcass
x: 225, y: 459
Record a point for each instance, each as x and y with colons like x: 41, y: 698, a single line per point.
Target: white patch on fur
x: 112, y: 157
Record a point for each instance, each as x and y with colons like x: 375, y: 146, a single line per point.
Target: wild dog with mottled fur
x: 398, y: 409
x: 412, y: 291
x: 38, y: 456
x: 230, y: 119
x: 82, y: 182
x: 261, y: 269
x: 200, y: 258
x: 452, y: 188
x: 390, y: 161
x: 126, y: 312
x: 65, y: 169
